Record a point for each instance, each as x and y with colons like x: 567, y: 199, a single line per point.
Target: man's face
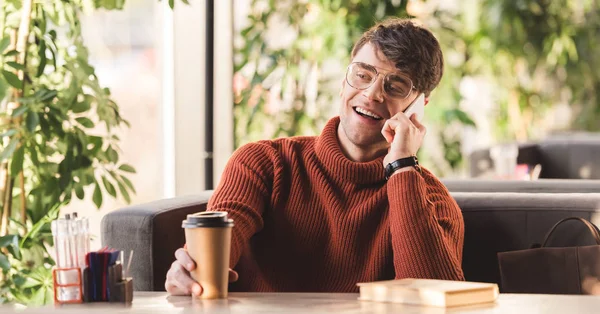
x: 358, y: 106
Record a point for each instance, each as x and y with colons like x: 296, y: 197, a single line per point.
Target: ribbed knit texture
x: 308, y: 219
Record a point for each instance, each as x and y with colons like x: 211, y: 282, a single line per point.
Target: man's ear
x: 426, y: 101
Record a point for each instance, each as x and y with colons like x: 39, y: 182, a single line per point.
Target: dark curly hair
x: 413, y: 49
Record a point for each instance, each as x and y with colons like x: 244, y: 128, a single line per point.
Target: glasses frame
x: 377, y: 73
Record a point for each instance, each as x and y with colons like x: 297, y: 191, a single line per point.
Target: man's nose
x: 375, y: 91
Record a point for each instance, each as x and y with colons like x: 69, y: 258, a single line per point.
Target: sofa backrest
x: 570, y: 158
x: 562, y: 157
x: 153, y: 231
x: 499, y: 222
x: 523, y: 186
x: 494, y: 222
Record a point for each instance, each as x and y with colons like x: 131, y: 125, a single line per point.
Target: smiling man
x: 352, y: 204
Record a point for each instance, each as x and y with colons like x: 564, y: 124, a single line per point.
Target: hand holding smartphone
x: 407, y: 144
x: 417, y: 107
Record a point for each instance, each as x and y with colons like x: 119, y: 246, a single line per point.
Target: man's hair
x: 413, y: 49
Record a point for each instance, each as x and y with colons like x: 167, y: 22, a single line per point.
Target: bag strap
x: 593, y: 229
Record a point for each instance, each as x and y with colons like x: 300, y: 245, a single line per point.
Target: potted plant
x: 57, y: 136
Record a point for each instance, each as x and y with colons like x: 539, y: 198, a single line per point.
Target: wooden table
x: 244, y: 303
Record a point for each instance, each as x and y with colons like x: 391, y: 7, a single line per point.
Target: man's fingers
x: 184, y: 258
x: 172, y: 284
x: 197, y: 289
x: 179, y: 281
x: 173, y: 289
x: 184, y: 280
x: 389, y: 129
x: 417, y: 123
x: 233, y: 275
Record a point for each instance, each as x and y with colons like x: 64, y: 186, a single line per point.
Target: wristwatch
x: 411, y: 161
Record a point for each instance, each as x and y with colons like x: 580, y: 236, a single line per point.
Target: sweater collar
x: 329, y: 152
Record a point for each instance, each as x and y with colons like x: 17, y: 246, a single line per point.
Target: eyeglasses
x: 361, y: 76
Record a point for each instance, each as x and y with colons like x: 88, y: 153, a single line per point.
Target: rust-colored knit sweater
x: 309, y: 219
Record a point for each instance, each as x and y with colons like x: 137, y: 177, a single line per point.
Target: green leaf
x: 110, y: 188
x: 15, y: 65
x: 79, y: 191
x: 11, y: 239
x: 85, y: 162
x: 185, y: 1
x: 124, y: 192
x: 4, y: 263
x: 12, y: 79
x: 457, y: 114
x: 4, y: 42
x: 11, y: 53
x: 19, y: 111
x: 128, y: 183
x: 30, y: 282
x: 16, y: 222
x: 33, y: 154
x: 87, y: 178
x: 42, y: 20
x: 171, y: 4
x: 127, y: 168
x: 48, y: 95
x: 3, y: 88
x: 81, y: 106
x: 16, y: 164
x: 38, y: 298
x: 51, y: 215
x: 10, y: 149
x: 112, y: 155
x: 85, y: 122
x: 43, y: 59
x: 11, y: 242
x: 9, y: 133
x: 33, y: 120
x: 97, y: 197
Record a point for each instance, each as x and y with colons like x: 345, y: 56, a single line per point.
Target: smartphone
x: 417, y: 106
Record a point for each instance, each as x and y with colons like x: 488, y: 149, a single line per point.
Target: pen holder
x: 118, y: 289
x: 123, y: 291
x: 67, y: 285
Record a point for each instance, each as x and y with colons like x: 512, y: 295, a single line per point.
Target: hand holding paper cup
x: 208, y: 240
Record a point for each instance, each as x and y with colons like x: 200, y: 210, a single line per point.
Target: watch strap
x: 411, y: 161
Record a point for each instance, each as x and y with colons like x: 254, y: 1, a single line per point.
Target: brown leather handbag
x: 553, y: 270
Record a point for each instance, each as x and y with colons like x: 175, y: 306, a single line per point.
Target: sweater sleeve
x: 426, y: 226
x: 244, y: 191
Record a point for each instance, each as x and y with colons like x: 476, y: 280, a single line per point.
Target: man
x: 317, y: 213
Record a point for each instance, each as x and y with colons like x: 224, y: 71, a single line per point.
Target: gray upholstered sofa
x: 522, y: 186
x: 570, y: 156
x: 494, y: 222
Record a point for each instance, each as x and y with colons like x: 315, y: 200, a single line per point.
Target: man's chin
x: 375, y: 140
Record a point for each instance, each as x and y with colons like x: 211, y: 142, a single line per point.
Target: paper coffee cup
x: 208, y: 239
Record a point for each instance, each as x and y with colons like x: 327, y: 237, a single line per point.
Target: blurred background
x: 106, y: 103
x: 515, y: 72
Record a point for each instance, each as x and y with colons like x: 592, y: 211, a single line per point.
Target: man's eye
x: 362, y: 75
x: 396, y: 90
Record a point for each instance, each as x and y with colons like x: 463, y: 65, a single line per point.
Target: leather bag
x: 553, y: 270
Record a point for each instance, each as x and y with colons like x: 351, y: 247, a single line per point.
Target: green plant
x: 536, y: 54
x: 287, y: 80
x: 57, y: 126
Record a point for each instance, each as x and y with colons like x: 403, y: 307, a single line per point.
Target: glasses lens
x: 398, y: 86
x: 360, y: 75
